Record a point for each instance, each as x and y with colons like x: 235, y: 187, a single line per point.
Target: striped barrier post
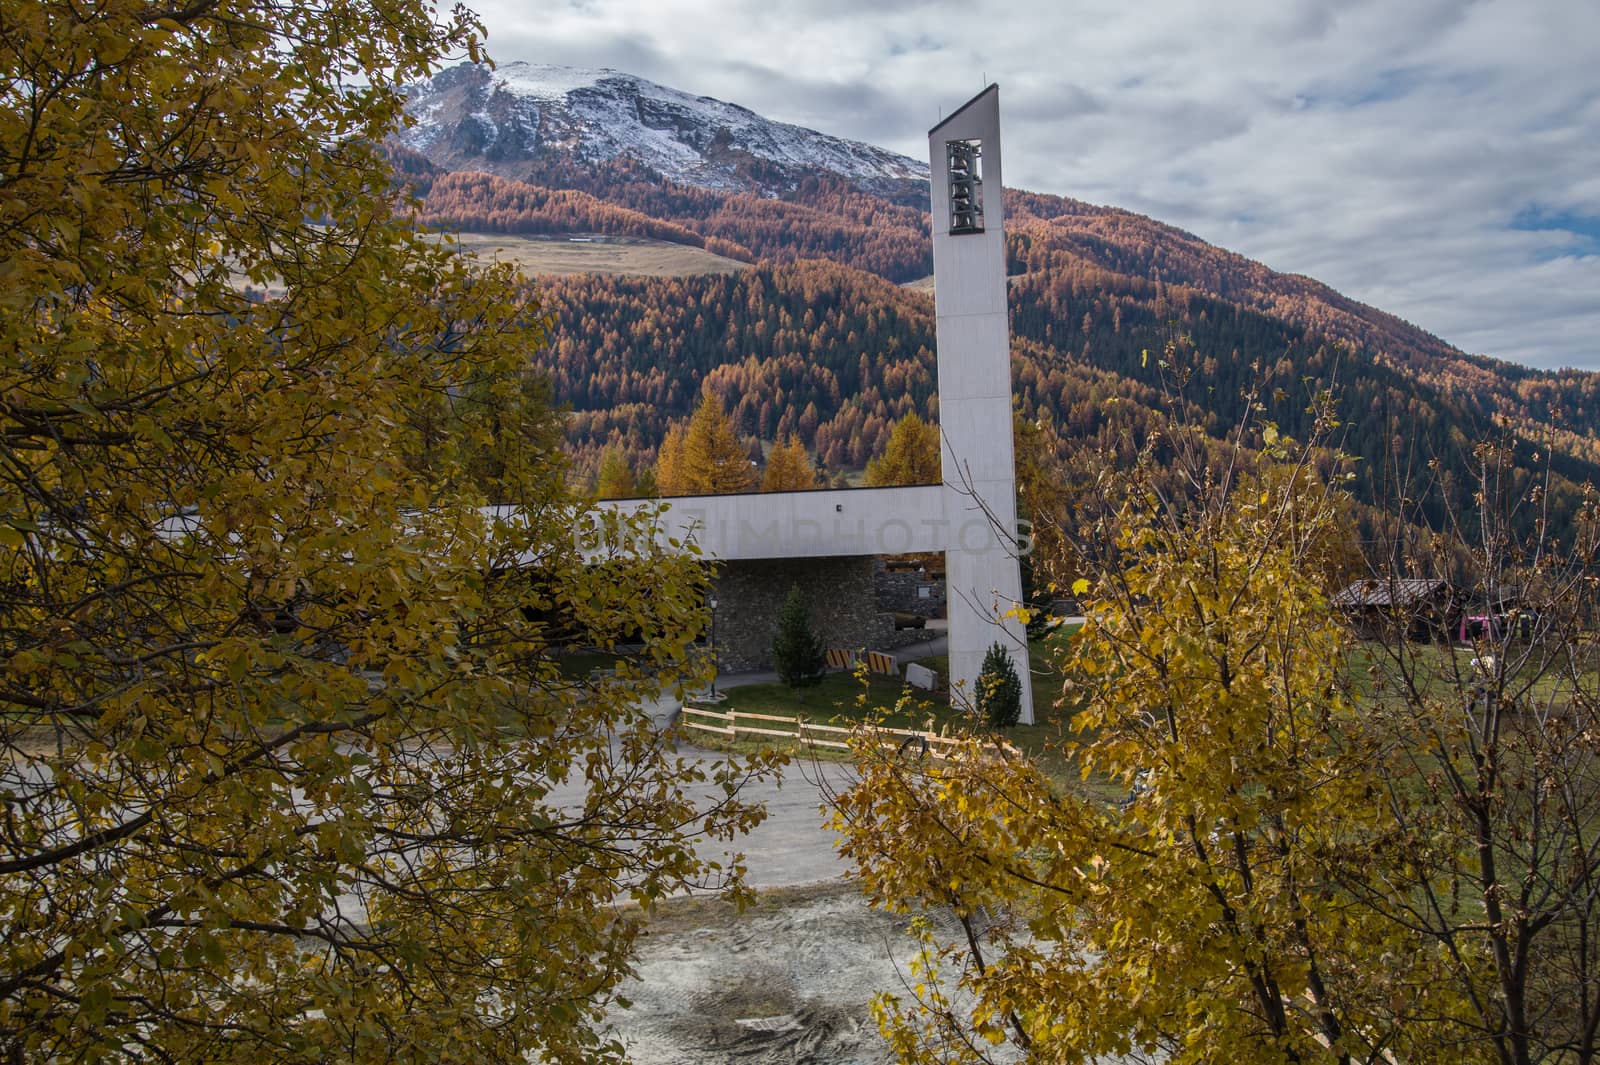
x: 878, y: 662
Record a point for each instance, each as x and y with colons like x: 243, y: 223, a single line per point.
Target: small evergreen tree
x: 999, y: 690
x: 797, y: 653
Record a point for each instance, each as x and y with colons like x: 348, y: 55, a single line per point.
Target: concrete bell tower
x: 983, y: 579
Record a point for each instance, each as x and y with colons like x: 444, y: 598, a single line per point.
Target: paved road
x: 793, y: 845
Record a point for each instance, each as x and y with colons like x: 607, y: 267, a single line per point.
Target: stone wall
x: 908, y: 591
x: 838, y: 593
x: 898, y: 638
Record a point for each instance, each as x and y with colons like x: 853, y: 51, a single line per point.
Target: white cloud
x: 1388, y: 149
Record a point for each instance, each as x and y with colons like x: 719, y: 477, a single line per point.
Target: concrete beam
x: 820, y: 524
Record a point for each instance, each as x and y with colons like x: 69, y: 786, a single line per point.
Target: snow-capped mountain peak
x: 500, y: 120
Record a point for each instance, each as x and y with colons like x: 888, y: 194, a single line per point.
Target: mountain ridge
x: 510, y: 114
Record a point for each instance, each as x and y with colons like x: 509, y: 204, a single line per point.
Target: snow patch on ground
x: 544, y: 82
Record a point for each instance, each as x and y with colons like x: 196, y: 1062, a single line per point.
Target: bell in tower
x: 966, y: 185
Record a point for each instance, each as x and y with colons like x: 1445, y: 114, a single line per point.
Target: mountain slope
x: 1105, y: 248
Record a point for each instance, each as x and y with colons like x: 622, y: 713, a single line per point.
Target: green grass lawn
x: 1445, y: 672
x: 843, y: 699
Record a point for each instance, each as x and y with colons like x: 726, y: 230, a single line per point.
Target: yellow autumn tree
x: 1204, y: 894
x: 615, y: 479
x: 789, y: 468
x: 669, y: 463
x: 288, y: 767
x: 704, y: 457
x: 910, y: 457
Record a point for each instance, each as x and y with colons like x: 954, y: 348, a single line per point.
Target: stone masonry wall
x: 908, y: 591
x: 838, y: 593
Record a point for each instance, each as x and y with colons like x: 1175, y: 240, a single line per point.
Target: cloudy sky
x: 1438, y: 159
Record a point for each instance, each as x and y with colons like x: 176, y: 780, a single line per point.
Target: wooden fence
x: 811, y: 733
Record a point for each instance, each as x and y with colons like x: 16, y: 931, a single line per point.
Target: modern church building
x: 825, y: 540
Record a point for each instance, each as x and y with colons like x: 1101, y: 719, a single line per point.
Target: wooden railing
x: 732, y: 724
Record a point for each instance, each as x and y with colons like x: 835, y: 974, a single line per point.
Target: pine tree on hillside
x: 615, y: 479
x: 789, y: 468
x: 911, y: 456
x: 797, y: 653
x: 712, y: 461
x: 669, y: 464
x: 645, y: 486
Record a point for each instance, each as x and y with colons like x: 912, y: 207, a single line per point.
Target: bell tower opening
x: 965, y: 170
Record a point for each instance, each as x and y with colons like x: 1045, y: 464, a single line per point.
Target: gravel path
x: 790, y: 980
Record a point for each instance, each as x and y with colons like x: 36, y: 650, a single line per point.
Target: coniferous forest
x: 824, y: 338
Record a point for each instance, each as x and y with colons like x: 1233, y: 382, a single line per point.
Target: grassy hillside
x: 562, y: 256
